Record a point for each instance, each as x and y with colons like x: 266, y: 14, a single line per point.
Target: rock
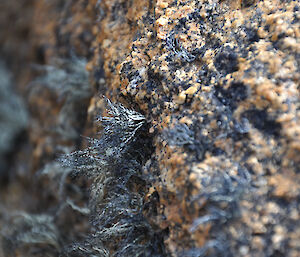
x: 218, y: 84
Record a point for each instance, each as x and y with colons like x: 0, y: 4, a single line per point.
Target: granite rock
x: 215, y: 169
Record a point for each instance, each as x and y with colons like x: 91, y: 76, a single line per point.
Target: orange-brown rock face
x: 218, y: 84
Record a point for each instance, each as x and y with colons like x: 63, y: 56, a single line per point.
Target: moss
x: 114, y: 162
x: 13, y: 120
x: 30, y: 233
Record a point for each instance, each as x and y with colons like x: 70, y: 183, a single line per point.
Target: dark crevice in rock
x: 236, y: 92
x: 262, y: 121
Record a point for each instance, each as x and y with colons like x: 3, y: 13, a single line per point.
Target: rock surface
x: 218, y: 85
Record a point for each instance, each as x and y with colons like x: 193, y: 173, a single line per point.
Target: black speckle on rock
x: 196, y: 17
x: 226, y: 61
x: 155, y: 78
x: 126, y: 68
x: 247, y: 3
x: 252, y: 35
x: 235, y: 93
x: 263, y: 122
x: 216, y: 151
x: 183, y: 21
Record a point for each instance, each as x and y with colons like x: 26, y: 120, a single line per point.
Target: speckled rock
x: 218, y: 84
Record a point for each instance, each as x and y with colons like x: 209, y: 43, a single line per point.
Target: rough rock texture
x: 215, y: 169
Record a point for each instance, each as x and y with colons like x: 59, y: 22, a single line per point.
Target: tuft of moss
x: 114, y: 163
x: 30, y: 234
x: 13, y: 120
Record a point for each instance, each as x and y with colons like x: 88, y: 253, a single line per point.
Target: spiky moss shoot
x: 114, y: 163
